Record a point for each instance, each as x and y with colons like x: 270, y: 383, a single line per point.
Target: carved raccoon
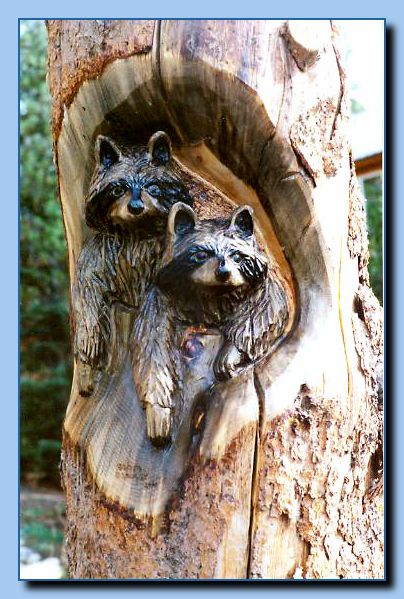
x: 213, y: 274
x: 218, y: 276
x: 130, y: 195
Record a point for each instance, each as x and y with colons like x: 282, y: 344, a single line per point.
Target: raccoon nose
x: 135, y: 204
x: 222, y: 272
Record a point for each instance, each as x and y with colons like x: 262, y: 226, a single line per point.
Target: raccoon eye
x: 237, y: 257
x: 118, y: 191
x: 154, y: 190
x: 200, y: 256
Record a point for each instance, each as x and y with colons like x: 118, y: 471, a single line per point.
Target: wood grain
x: 275, y: 483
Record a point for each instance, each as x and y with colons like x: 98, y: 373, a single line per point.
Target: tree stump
x: 275, y: 470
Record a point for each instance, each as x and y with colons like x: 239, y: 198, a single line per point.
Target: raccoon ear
x: 181, y: 220
x: 159, y: 148
x: 242, y: 221
x: 106, y: 152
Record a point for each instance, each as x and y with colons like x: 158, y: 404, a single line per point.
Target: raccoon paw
x: 228, y: 363
x: 158, y: 424
x: 86, y: 376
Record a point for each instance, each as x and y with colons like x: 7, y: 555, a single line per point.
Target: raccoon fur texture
x: 214, y: 275
x: 131, y: 192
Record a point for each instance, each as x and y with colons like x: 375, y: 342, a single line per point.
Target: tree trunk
x: 276, y: 471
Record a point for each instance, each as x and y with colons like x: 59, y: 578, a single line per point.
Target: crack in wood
x: 341, y: 91
x: 255, y: 471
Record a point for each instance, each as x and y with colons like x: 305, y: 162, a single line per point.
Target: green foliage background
x: 46, y: 362
x: 373, y: 189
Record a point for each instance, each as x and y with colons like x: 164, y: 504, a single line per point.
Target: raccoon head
x: 213, y: 256
x: 133, y: 187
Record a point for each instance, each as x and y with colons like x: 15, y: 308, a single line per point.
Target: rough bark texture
x: 284, y: 479
x: 80, y: 50
x: 105, y: 542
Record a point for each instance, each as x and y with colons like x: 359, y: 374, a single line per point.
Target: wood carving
x: 216, y: 275
x: 130, y: 194
x: 154, y: 346
x: 252, y: 447
x: 213, y: 277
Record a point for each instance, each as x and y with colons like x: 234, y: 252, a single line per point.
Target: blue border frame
x: 384, y: 245
x: 19, y: 301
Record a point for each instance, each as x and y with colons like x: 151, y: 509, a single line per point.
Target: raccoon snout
x: 135, y: 204
x: 135, y: 207
x: 222, y: 272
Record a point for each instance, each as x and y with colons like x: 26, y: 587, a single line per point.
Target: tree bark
x: 284, y: 478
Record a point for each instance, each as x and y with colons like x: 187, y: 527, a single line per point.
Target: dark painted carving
x: 129, y: 198
x: 213, y: 276
x: 179, y: 278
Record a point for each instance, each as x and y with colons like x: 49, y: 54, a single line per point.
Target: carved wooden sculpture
x: 224, y: 419
x: 213, y: 277
x: 129, y: 197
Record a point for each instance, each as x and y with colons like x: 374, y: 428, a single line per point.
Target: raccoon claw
x: 85, y: 379
x: 158, y: 424
x: 227, y: 364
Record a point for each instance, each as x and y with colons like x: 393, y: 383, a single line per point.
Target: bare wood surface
x: 81, y: 49
x: 276, y: 482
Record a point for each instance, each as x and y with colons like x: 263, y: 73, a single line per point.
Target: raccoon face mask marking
x: 133, y: 186
x: 216, y: 271
x: 221, y: 266
x: 219, y: 255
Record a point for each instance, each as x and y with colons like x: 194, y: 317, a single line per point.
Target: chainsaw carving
x: 274, y: 439
x: 130, y: 195
x: 213, y: 276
